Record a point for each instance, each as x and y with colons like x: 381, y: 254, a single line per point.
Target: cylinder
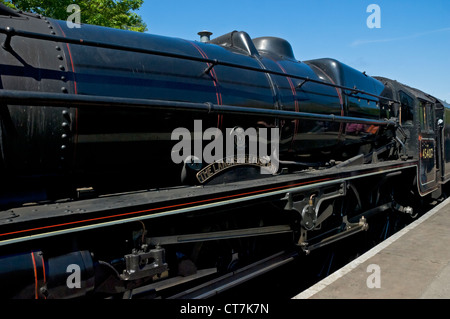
x: 30, y: 276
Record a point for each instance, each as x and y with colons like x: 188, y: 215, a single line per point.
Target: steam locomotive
x: 94, y: 108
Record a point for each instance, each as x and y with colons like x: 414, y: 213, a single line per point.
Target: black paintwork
x: 88, y: 147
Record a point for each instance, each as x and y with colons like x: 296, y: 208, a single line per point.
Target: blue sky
x: 412, y: 45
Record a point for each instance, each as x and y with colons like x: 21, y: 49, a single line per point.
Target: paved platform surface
x: 414, y: 263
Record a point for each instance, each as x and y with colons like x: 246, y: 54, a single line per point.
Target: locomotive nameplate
x: 217, y: 167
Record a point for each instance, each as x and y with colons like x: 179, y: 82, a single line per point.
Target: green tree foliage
x: 117, y: 14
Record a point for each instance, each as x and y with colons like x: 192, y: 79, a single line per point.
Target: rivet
x: 65, y: 124
x: 58, y: 48
x: 59, y: 56
x: 53, y: 32
x: 65, y: 112
x: 63, y: 147
x: 50, y: 27
x: 64, y: 89
x: 63, y: 78
x: 62, y: 68
x: 64, y: 136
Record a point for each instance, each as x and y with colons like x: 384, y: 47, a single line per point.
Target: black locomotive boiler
x: 92, y: 109
x: 72, y: 146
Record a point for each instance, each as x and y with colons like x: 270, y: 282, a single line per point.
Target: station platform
x: 414, y: 263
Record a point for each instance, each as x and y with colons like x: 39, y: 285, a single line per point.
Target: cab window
x: 426, y: 116
x: 407, y: 104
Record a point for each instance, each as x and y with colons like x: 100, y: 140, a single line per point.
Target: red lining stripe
x: 341, y: 101
x: 43, y: 268
x: 297, y: 108
x: 215, y: 81
x: 43, y: 271
x: 36, y: 295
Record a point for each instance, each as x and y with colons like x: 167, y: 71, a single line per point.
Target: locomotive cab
x: 422, y: 118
